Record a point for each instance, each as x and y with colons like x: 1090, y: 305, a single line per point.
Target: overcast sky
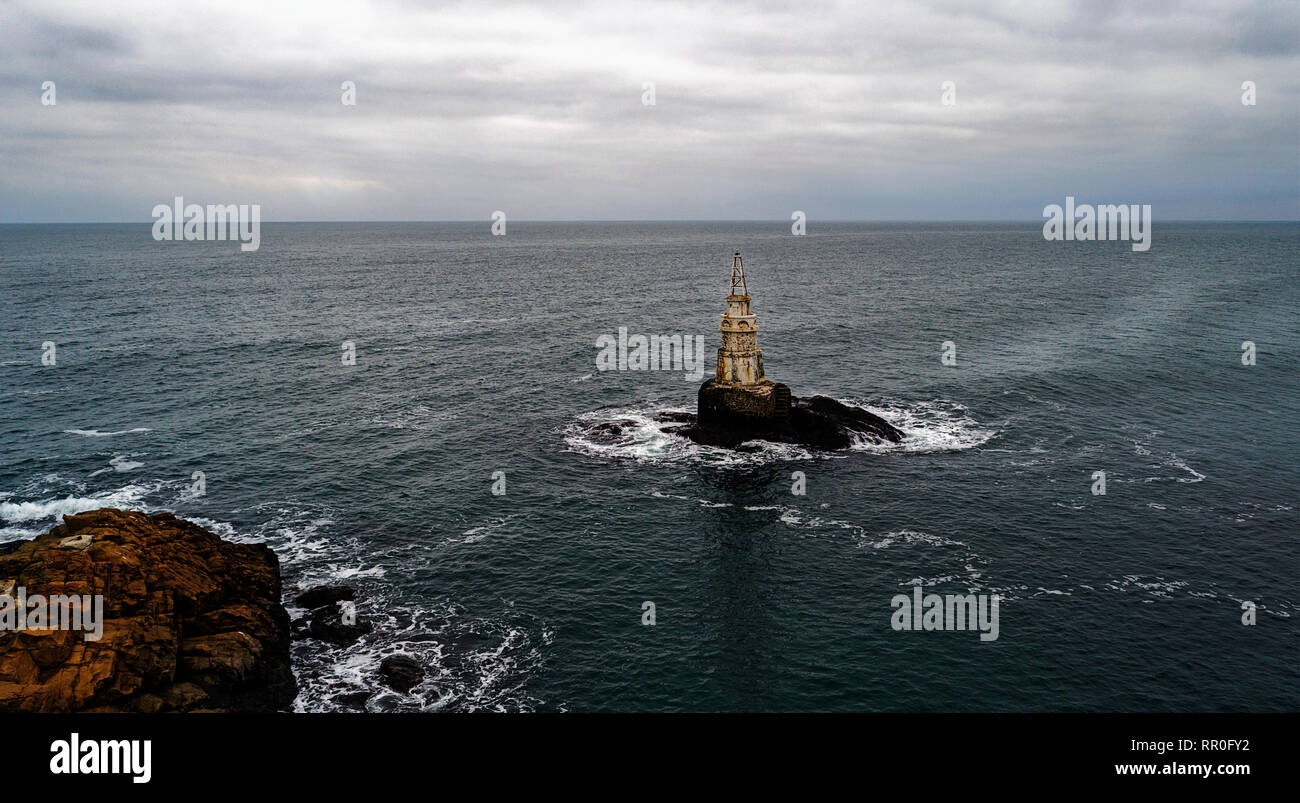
x: 761, y: 108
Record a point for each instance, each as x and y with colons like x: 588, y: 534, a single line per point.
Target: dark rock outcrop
x: 190, y: 622
x: 818, y: 421
x: 824, y: 422
x: 320, y: 596
x: 334, y: 625
x: 333, y: 617
x: 401, y: 672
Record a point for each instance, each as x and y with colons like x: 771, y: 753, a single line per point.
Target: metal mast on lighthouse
x: 738, y: 276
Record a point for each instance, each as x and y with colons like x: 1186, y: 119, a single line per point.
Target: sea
x: 1104, y: 439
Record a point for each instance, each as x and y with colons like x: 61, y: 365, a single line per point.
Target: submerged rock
x: 332, y: 617
x: 320, y: 596
x: 401, y: 672
x: 335, y: 625
x: 189, y: 622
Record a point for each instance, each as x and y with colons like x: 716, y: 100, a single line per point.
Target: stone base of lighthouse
x: 742, y: 412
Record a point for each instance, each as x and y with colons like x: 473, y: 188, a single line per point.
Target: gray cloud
x: 762, y: 108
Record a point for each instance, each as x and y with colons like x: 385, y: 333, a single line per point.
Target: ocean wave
x: 1143, y: 447
x: 94, y: 433
x: 927, y: 426
x: 649, y: 434
x: 638, y: 433
x: 303, y: 537
x: 470, y: 663
x: 907, y: 537
x: 118, y: 463
x: 37, y: 517
x: 476, y: 534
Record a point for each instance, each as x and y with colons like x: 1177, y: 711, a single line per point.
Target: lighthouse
x: 741, y: 404
x: 740, y: 361
x: 740, y: 398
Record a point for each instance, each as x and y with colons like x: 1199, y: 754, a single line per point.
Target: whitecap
x: 927, y: 426
x: 476, y: 534
x: 32, y: 518
x: 634, y: 433
x: 94, y: 433
x: 122, y: 464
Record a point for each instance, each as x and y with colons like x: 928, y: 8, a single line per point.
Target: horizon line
x: 488, y: 220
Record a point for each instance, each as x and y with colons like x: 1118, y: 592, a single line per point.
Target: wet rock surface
x: 335, y: 625
x: 320, y: 596
x: 401, y: 672
x: 190, y: 622
x: 817, y: 421
x: 332, y: 617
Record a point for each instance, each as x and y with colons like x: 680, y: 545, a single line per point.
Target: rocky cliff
x: 189, y: 622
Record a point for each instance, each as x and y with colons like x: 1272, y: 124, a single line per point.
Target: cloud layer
x: 760, y: 108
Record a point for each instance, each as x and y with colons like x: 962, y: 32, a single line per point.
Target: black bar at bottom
x: 331, y: 752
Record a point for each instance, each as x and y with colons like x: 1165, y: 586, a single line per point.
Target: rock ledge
x: 190, y: 622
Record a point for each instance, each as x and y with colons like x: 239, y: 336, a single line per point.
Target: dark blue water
x: 476, y: 354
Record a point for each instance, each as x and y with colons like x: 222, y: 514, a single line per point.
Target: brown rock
x: 190, y: 622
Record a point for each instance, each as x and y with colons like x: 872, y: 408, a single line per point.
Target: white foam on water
x: 927, y: 426
x: 662, y: 495
x: 118, y: 463
x: 94, y: 433
x: 488, y: 675
x: 32, y: 518
x: 122, y: 464
x: 635, y: 433
x: 8, y: 534
x: 302, y: 537
x: 1168, y: 460
x: 470, y: 664
x: 51, y: 509
x: 791, y: 518
x: 222, y: 528
x: 906, y: 537
x: 641, y: 437
x: 475, y: 534
x: 1177, y: 462
x: 419, y: 416
x: 1160, y: 588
